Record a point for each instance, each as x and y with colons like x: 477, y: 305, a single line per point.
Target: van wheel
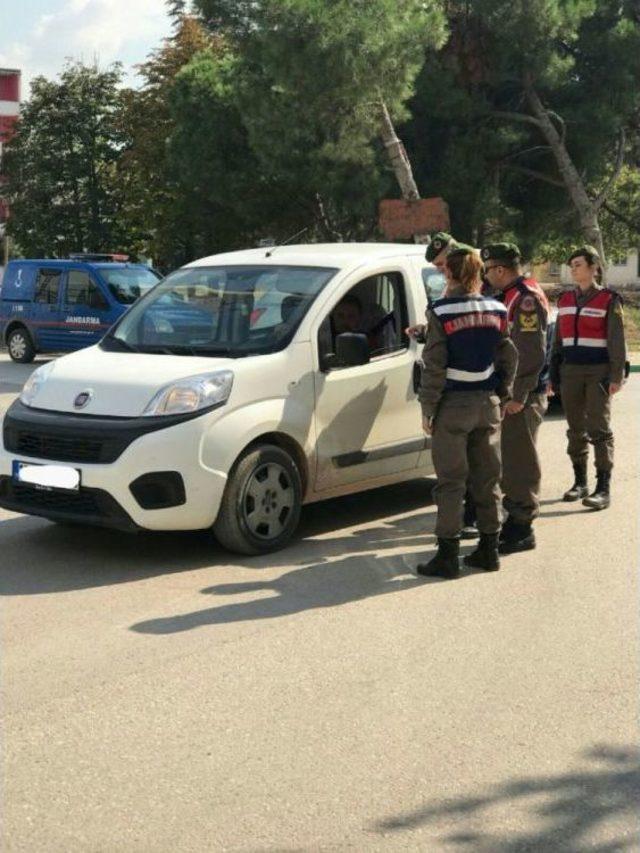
x: 20, y: 345
x: 261, y: 505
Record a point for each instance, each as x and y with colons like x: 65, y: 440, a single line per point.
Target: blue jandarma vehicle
x: 65, y: 305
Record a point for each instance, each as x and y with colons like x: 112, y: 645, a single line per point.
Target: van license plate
x: 47, y: 476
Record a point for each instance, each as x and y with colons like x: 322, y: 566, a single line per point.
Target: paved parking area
x: 161, y: 695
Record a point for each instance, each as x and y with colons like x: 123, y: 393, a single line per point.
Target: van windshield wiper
x: 215, y: 351
x: 176, y: 349
x: 166, y: 350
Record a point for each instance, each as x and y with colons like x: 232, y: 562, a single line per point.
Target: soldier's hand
x: 614, y: 387
x: 427, y: 425
x: 415, y: 332
x: 513, y: 407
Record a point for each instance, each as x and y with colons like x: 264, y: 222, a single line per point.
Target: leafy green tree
x: 553, y: 71
x: 319, y: 87
x: 170, y: 222
x: 61, y: 164
x: 214, y: 151
x: 533, y: 120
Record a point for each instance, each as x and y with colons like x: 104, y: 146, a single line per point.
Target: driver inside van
x: 348, y: 316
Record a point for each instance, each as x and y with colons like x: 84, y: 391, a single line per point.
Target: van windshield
x: 230, y: 310
x: 127, y: 284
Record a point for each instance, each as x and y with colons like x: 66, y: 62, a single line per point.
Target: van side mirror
x: 352, y: 349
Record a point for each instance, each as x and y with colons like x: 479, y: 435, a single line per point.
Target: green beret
x: 588, y: 252
x: 508, y: 252
x: 460, y: 249
x: 439, y: 241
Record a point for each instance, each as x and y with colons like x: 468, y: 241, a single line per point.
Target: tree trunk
x: 586, y: 208
x: 400, y: 163
x: 397, y: 156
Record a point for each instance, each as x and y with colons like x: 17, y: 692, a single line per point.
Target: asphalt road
x: 161, y: 695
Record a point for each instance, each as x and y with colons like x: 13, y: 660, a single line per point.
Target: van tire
x: 261, y: 504
x: 20, y: 345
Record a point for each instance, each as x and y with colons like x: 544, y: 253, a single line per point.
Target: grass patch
x: 632, y: 327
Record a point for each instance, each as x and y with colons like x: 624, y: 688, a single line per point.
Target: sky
x: 37, y: 36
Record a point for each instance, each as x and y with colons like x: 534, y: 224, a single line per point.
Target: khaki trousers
x: 587, y: 407
x: 466, y: 450
x: 521, y: 472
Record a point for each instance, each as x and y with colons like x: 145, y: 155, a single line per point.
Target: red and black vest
x: 522, y: 288
x: 583, y: 329
x: 474, y: 326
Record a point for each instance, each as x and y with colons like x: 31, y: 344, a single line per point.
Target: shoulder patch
x: 528, y: 303
x: 528, y: 322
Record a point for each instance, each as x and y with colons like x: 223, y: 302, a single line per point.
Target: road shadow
x: 321, y: 585
x: 40, y: 557
x: 337, y: 571
x: 566, y: 512
x: 569, y: 811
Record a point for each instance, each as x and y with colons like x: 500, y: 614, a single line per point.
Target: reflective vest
x: 583, y: 329
x: 523, y: 287
x: 474, y: 326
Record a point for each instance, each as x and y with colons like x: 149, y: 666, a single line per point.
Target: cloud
x: 102, y: 31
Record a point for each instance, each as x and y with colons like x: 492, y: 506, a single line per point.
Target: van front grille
x: 56, y: 447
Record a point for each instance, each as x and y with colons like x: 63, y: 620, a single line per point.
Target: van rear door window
x: 47, y: 286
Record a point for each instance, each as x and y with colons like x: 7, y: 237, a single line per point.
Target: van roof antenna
x: 272, y: 249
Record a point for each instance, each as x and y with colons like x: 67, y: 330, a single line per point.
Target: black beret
x: 508, y: 252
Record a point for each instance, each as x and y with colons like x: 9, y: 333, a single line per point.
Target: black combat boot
x: 486, y: 554
x: 518, y: 536
x: 445, y: 563
x: 506, y: 529
x: 600, y: 499
x: 579, y: 488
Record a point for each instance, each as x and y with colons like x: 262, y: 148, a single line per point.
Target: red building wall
x: 9, y: 109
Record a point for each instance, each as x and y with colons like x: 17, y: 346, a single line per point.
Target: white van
x: 241, y: 387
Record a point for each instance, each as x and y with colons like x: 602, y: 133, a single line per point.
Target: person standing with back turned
x: 470, y: 363
x: 439, y: 246
x: 590, y: 351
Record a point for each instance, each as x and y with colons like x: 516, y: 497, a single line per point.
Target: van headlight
x: 35, y: 382
x: 191, y: 394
